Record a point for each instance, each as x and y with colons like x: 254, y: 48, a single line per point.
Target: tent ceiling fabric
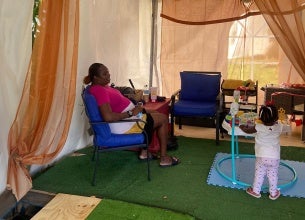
x: 184, y: 35
x: 219, y: 11
x: 206, y: 12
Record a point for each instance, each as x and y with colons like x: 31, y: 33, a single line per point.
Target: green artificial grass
x: 182, y: 188
x: 116, y: 210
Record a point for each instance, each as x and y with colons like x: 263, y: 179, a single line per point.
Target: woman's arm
x: 110, y: 116
x: 247, y: 129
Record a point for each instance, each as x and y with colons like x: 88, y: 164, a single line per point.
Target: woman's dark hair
x: 268, y: 114
x: 94, y: 70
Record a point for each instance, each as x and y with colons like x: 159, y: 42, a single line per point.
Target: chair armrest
x: 173, y: 97
x: 220, y: 101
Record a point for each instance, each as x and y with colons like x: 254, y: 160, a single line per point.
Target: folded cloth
x: 235, y: 83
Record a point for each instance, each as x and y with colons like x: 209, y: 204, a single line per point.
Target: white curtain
x: 15, y: 50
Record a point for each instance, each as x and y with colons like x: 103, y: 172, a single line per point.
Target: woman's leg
x: 161, y: 126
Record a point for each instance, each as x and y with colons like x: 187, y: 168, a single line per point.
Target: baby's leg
x: 272, y: 174
x: 260, y: 172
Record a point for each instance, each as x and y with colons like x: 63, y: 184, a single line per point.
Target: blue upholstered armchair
x: 199, y: 96
x: 103, y: 139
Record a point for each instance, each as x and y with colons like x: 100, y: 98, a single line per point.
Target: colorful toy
x: 282, y: 115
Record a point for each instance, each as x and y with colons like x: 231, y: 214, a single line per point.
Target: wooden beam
x: 65, y: 206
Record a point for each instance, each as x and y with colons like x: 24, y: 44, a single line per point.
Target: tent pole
x: 152, y: 44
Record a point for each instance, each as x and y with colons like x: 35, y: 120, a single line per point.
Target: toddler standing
x: 267, y: 150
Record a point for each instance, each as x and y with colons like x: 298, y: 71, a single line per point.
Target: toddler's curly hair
x: 268, y: 114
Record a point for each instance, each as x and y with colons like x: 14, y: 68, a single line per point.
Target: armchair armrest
x: 220, y: 102
x: 173, y: 97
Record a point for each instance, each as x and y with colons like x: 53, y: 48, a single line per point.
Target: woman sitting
x: 114, y: 106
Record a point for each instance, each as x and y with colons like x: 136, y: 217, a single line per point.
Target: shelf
x: 251, y: 105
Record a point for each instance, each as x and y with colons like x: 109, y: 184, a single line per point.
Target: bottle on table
x: 146, y: 93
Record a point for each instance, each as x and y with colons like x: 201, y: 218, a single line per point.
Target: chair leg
x: 217, y: 128
x: 95, y: 168
x: 179, y: 122
x: 148, y: 167
x: 172, y: 126
x: 94, y: 153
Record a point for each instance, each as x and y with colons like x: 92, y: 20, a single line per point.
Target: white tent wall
x: 119, y: 39
x: 15, y: 50
x: 116, y: 33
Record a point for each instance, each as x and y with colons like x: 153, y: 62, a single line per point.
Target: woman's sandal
x: 150, y: 157
x: 174, y: 161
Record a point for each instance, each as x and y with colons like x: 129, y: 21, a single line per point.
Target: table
x: 235, y: 131
x: 289, y: 99
x: 162, y: 107
x: 287, y: 102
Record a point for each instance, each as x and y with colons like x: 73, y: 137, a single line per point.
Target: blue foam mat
x: 245, y: 173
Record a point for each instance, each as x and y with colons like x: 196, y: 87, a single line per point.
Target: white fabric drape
x: 117, y: 37
x: 186, y: 48
x: 15, y: 51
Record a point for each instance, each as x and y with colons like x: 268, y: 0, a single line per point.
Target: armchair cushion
x: 185, y: 107
x: 199, y: 87
x: 117, y: 140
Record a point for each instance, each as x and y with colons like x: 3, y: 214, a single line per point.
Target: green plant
x: 35, y: 20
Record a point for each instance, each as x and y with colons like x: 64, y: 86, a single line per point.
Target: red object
x: 243, y: 88
x: 162, y: 107
x: 269, y: 102
x: 298, y: 122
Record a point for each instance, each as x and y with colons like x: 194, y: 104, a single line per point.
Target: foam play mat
x: 244, y: 172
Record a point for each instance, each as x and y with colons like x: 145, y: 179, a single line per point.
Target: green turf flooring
x: 118, y: 210
x: 182, y: 189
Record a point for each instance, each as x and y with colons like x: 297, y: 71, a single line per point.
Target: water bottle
x: 236, y: 95
x: 146, y: 93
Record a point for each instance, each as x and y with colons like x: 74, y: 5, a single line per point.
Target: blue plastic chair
x: 104, y: 140
x: 198, y: 97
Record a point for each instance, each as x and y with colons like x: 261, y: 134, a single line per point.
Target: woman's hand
x: 137, y: 110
